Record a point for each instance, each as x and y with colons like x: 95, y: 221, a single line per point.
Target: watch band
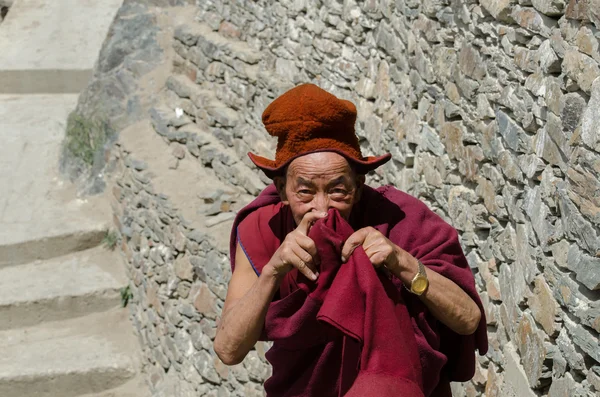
x: 420, y: 273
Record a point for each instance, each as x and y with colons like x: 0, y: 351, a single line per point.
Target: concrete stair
x: 60, y: 288
x: 41, y: 216
x: 75, y: 357
x: 51, y: 46
x: 63, y: 332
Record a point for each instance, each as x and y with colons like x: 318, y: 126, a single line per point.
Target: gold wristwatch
x: 419, y: 283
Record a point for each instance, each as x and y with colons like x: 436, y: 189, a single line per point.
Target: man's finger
x: 307, y: 244
x: 356, y: 239
x: 305, y: 257
x: 376, y: 257
x: 308, y: 219
x: 303, y: 268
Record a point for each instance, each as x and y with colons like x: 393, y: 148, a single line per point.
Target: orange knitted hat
x: 308, y: 119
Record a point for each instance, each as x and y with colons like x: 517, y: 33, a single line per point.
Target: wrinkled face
x: 319, y: 182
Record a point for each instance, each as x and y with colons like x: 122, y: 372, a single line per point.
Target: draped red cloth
x: 349, y: 332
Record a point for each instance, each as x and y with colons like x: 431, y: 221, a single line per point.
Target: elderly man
x: 364, y: 292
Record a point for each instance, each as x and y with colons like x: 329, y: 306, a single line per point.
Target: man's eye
x: 339, y: 191
x: 305, y: 191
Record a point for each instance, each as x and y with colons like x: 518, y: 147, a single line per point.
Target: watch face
x: 420, y: 285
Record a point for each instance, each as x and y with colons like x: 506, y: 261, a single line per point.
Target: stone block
x: 585, y: 266
x: 513, y: 202
x: 539, y: 215
x: 187, y: 34
x: 515, y: 379
x: 431, y: 141
x: 560, y: 251
x: 530, y: 342
x: 530, y: 19
x: 526, y: 251
x: 514, y: 136
x: 547, y: 148
x: 253, y: 390
x: 576, y: 227
x: 566, y: 292
x: 593, y: 377
x: 550, y: 7
x: 209, y: 327
x: 203, y: 362
x: 492, y: 285
x: 499, y: 9
x: 204, y: 301
x: 460, y: 206
x: 583, y: 187
x: 506, y: 244
x: 223, y: 371
x: 582, y: 338
x: 530, y: 164
x: 493, y: 386
x: 581, y: 68
x: 467, y: 86
x: 594, y: 12
x: 566, y: 386
x: 386, y: 39
x: 590, y: 128
x: 573, y: 357
x: 509, y: 166
x: 255, y: 367
x: 183, y: 268
x: 526, y: 59
x: 577, y: 9
x: 471, y: 63
x: 510, y: 313
x: 543, y: 306
x: 572, y: 106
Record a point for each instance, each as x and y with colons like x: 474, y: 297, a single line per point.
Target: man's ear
x: 279, y: 182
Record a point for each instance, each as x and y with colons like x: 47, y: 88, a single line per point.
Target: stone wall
x: 489, y: 109
x: 178, y: 257
x: 173, y: 213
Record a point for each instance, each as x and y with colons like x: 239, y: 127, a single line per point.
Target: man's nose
x: 322, y: 202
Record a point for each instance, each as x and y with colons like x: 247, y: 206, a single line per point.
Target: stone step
x: 136, y: 387
x: 209, y: 106
x: 213, y: 44
x: 68, y: 358
x: 40, y: 214
x: 52, y: 246
x: 65, y: 287
x: 203, y: 144
x: 51, y: 46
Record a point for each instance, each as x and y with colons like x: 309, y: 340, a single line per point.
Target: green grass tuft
x: 85, y: 136
x: 126, y: 295
x: 111, y: 239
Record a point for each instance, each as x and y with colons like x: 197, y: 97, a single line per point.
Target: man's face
x: 319, y: 182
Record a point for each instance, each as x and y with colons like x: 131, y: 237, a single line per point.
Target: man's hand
x: 298, y: 250
x: 379, y: 249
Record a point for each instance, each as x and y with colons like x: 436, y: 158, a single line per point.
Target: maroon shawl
x: 308, y: 338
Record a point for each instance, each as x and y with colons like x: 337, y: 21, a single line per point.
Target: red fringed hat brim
x: 271, y: 170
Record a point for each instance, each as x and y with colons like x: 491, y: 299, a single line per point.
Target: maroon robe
x: 306, y: 343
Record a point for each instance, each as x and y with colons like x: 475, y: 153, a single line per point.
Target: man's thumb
x: 348, y: 250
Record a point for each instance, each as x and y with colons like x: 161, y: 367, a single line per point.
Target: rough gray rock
x: 590, y: 129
